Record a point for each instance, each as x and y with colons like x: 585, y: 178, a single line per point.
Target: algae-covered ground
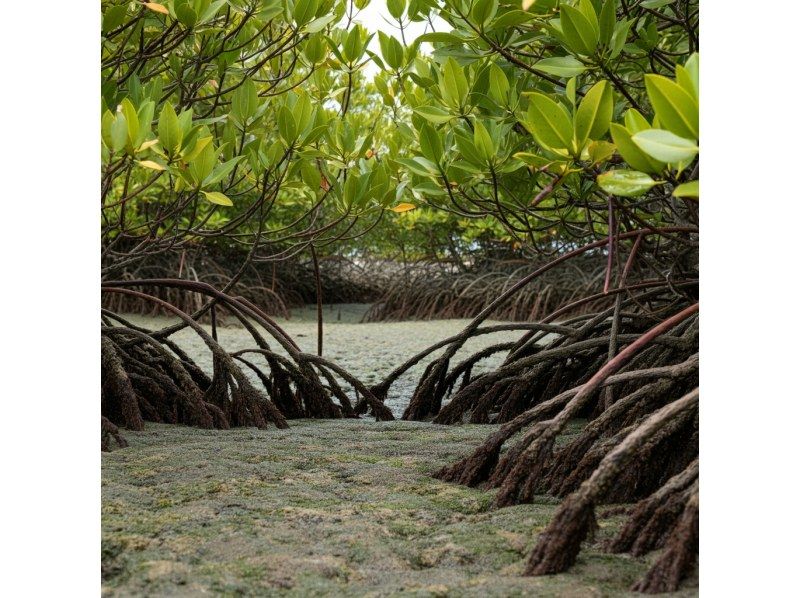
x: 326, y: 508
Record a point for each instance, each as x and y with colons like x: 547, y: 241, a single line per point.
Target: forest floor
x: 328, y: 508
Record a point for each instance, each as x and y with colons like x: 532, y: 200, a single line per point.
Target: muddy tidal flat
x: 328, y: 508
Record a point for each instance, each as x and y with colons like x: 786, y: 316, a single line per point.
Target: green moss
x: 341, y: 508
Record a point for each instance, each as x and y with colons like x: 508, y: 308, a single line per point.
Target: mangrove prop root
x: 680, y: 554
x: 559, y: 544
x: 652, y: 517
x: 147, y: 377
x: 109, y: 432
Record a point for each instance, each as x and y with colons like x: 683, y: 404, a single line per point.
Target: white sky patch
x: 375, y: 17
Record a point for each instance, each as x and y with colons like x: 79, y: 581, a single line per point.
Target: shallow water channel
x: 367, y: 350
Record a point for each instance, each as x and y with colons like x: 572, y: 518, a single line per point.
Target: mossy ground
x: 325, y: 508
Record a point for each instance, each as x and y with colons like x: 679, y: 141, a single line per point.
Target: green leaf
x: 549, y: 122
x: 690, y: 189
x: 132, y: 119
x: 353, y: 48
x: 570, y: 91
x: 512, y: 18
x: 483, y: 11
x: 430, y: 143
x: 396, y: 8
x: 587, y: 10
x: 600, y: 151
x: 635, y: 122
x: 607, y: 21
x: 287, y: 127
x: 106, y: 122
x: 319, y: 24
x: 498, y: 85
x: 625, y: 183
x: 218, y: 198
x: 434, y: 114
x: 454, y: 86
x: 692, y: 68
x: 535, y: 160
x: 119, y: 132
x: 651, y: 4
x: 665, y: 146
x: 561, y: 66
x: 203, y: 163
x: 114, y: 17
x: 198, y: 147
x: 185, y: 14
x: 483, y: 142
x: 391, y: 50
x: 578, y: 31
x: 304, y: 11
x: 170, y: 132
x: 688, y: 77
x: 310, y: 174
x: 440, y: 37
x: 675, y: 108
x: 594, y: 114
x: 631, y: 153
x: 221, y: 171
x: 211, y: 11
x: 620, y: 36
x: 244, y: 102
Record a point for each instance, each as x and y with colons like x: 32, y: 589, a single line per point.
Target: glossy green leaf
x: 483, y: 142
x: 353, y: 47
x: 578, y: 31
x: 244, y: 102
x: 114, y: 17
x: 320, y: 23
x: 652, y: 4
x: 561, y: 66
x: 631, y: 152
x: 454, y: 86
x: 665, y: 146
x: 132, y: 120
x: 600, y: 151
x: 675, y: 108
x: 594, y: 113
x: 218, y: 198
x: 635, y: 122
x: 549, y: 122
x: 396, y: 7
x: 287, y: 126
x: 690, y: 189
x: 430, y: 143
x: 170, y: 132
x: 607, y: 21
x: 203, y: 163
x: 391, y: 50
x: 222, y: 170
x: 498, y: 85
x: 625, y: 183
x: 304, y: 11
x: 434, y: 114
x: 119, y: 132
x: 198, y: 147
x: 483, y: 11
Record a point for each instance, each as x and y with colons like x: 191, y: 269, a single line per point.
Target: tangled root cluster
x: 275, y: 286
x: 426, y: 292
x: 147, y: 377
x: 626, y: 377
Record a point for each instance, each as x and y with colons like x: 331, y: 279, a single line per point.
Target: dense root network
x: 147, y: 377
x: 596, y: 408
x: 428, y: 292
x: 276, y: 286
